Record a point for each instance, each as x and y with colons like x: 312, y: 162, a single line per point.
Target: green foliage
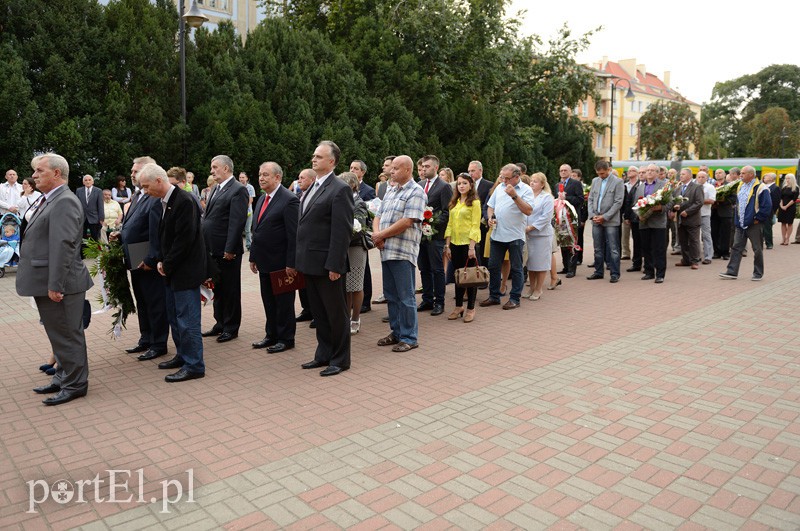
x: 668, y: 125
x: 100, y: 85
x: 736, y: 102
x: 773, y: 134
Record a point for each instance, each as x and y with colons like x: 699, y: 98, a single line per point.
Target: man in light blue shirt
x: 507, y: 213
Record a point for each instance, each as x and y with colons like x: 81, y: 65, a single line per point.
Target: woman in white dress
x: 540, y: 235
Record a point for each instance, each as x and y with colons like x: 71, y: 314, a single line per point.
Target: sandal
x: 355, y: 326
x: 388, y: 340
x: 404, y: 347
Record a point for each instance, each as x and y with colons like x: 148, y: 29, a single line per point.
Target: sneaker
x: 755, y: 279
x: 726, y: 276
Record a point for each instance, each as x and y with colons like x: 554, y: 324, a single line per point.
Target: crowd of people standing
x: 314, y: 237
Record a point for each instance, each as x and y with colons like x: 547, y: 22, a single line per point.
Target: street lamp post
x: 630, y: 97
x: 194, y: 18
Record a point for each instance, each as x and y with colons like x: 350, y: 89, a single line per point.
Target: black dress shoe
x: 366, y: 308
x: 211, y: 333
x: 313, y: 365
x: 333, y: 370
x: 614, y: 279
x: 438, y: 309
x: 47, y: 389
x: 563, y: 271
x: 590, y: 265
x: 280, y: 346
x: 150, y: 355
x: 226, y: 336
x: 570, y: 274
x: 62, y: 397
x: 264, y: 343
x: 425, y: 306
x: 174, y: 363
x: 312, y: 324
x: 633, y: 269
x: 594, y: 276
x: 385, y: 319
x: 183, y: 375
x: 660, y: 280
x: 304, y: 316
x: 648, y: 277
x: 137, y: 349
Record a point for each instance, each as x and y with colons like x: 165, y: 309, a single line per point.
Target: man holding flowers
x: 652, y: 201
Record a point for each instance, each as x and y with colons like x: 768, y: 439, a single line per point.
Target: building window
x: 599, y: 110
x: 633, y: 106
x: 577, y: 110
x: 633, y: 129
x: 640, y: 106
x: 585, y: 109
x: 221, y: 5
x: 600, y: 142
x: 631, y: 153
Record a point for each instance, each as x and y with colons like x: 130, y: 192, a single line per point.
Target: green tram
x: 779, y: 167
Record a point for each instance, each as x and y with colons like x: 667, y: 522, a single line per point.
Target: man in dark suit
x: 367, y: 193
x: 775, y: 195
x: 91, y: 198
x: 140, y: 225
x: 52, y: 272
x: 687, y: 212
x: 275, y: 219
x: 182, y: 266
x: 323, y: 236
x: 482, y: 188
x: 431, y: 266
x: 572, y: 194
x: 223, y: 224
x: 305, y: 180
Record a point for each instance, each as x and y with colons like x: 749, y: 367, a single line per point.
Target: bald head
x: 402, y: 167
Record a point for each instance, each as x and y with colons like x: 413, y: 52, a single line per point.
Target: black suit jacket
x: 326, y: 224
x: 694, y: 201
x: 484, y: 187
x: 275, y: 236
x: 224, y: 219
x: 775, y: 194
x: 573, y: 192
x: 182, y: 248
x: 439, y: 194
x: 366, y: 192
x: 93, y: 208
x: 141, y: 225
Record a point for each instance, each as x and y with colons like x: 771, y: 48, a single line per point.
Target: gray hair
x: 225, y: 160
x: 361, y: 165
x: 151, y: 171
x: 275, y: 167
x: 735, y: 171
x: 477, y: 163
x: 350, y: 179
x: 513, y: 168
x: 144, y: 160
x: 54, y: 162
x: 335, y: 151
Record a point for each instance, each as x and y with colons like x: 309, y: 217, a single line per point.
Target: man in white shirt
x: 10, y: 192
x: 709, y: 198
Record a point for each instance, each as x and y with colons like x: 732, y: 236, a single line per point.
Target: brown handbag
x: 471, y: 277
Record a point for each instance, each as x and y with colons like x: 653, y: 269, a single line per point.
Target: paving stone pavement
x: 629, y: 406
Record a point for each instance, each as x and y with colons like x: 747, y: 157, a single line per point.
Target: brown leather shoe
x: 489, y: 302
x: 511, y: 305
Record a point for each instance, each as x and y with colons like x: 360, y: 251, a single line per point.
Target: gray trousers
x: 740, y: 237
x: 705, y: 232
x: 63, y: 323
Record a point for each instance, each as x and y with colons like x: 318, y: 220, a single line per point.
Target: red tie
x: 263, y: 208
x: 427, y: 184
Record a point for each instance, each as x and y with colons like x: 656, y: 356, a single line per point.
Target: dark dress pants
x: 636, y: 251
x: 228, y: 296
x: 689, y: 238
x: 151, y: 308
x: 654, y: 251
x: 279, y: 310
x: 329, y: 308
x: 431, y: 271
x: 367, y: 285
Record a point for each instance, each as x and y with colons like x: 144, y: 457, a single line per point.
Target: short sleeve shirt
x: 407, y: 201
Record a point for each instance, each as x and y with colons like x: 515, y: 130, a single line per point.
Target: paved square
x: 632, y: 405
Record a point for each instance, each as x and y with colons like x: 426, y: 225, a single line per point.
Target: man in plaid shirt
x: 397, y: 234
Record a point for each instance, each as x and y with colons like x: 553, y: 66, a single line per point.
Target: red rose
x: 428, y: 214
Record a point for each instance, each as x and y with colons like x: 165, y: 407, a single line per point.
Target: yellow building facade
x: 647, y: 89
x: 245, y: 14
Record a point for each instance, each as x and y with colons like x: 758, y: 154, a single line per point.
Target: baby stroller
x: 9, y: 242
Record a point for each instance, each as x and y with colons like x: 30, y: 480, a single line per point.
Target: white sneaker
x: 726, y: 276
x: 355, y: 326
x: 755, y: 279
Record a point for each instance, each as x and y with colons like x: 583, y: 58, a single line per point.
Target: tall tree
x: 666, y: 127
x: 774, y: 134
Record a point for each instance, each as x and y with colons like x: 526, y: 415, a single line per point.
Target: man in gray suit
x: 604, y: 203
x: 687, y: 213
x: 653, y: 228
x: 52, y: 272
x: 91, y: 198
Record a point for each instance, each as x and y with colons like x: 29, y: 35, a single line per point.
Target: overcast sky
x: 700, y: 42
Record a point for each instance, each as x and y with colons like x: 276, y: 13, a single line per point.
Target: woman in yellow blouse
x: 463, y: 231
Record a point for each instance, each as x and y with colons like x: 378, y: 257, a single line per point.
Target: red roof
x: 646, y: 83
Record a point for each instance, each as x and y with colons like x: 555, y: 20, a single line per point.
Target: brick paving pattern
x: 630, y: 406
